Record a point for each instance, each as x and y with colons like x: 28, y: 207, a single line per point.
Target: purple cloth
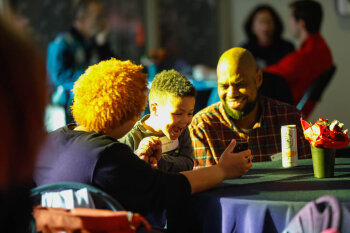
x: 323, y: 213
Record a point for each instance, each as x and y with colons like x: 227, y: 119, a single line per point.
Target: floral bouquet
x: 326, y: 135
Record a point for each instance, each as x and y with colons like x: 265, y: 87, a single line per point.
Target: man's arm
x: 135, y: 184
x: 231, y: 165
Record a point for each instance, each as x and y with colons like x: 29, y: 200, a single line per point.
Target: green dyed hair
x: 170, y: 83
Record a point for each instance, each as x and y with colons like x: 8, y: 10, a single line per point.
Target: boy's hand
x: 150, y: 160
x: 150, y: 150
x: 235, y: 164
x: 153, y: 162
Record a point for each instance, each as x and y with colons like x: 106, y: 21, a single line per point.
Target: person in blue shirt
x: 71, y: 52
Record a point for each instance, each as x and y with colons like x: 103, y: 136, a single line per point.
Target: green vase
x: 323, y: 162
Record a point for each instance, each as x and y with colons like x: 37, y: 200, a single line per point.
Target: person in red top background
x: 302, y: 67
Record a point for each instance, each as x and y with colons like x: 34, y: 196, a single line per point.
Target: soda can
x: 289, y: 146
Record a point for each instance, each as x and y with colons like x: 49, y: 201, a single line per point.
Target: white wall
x: 335, y: 103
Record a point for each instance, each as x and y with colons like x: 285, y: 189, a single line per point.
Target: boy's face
x: 175, y: 115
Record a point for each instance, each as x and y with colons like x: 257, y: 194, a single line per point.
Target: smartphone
x: 242, y: 146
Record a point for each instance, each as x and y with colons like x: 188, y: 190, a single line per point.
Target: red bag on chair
x: 87, y: 220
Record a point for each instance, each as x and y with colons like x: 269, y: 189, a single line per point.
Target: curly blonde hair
x: 108, y: 94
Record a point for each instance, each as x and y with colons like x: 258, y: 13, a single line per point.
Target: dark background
x: 187, y: 26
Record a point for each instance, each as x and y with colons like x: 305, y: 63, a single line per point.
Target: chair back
x: 275, y: 87
x: 317, y: 216
x: 113, y: 219
x: 101, y: 199
x: 315, y: 91
x: 56, y: 220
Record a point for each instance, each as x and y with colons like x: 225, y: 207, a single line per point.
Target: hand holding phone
x: 242, y: 146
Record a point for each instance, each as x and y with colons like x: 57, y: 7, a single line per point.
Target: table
x: 267, y: 197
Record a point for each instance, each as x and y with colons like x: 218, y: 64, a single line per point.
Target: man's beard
x: 239, y: 114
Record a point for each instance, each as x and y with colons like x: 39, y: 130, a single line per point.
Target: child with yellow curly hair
x: 103, y: 103
x: 109, y: 98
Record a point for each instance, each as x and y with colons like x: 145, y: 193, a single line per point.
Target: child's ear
x: 154, y: 108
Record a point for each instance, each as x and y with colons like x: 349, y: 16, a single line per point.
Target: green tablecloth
x: 270, y: 181
x: 268, y: 196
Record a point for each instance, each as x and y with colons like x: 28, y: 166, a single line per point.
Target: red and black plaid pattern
x: 212, y: 131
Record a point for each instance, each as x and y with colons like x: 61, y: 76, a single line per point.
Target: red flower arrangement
x: 326, y: 135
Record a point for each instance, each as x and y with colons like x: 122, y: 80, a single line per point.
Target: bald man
x: 242, y: 114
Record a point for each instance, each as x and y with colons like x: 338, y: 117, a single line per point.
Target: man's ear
x: 153, y: 108
x: 259, y: 78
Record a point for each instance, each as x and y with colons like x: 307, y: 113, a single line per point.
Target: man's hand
x: 235, y: 164
x: 150, y: 150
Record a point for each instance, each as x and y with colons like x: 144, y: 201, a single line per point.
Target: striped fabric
x: 212, y: 130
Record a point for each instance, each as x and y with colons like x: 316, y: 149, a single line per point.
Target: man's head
x: 109, y: 94
x: 305, y: 15
x: 171, y: 101
x: 89, y: 17
x: 239, y: 80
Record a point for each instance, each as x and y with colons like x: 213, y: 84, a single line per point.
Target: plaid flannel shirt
x: 212, y: 131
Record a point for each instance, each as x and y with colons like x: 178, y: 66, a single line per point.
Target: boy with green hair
x: 171, y: 102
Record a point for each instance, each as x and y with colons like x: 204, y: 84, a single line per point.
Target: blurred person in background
x: 22, y: 102
x: 71, y: 52
x: 302, y: 67
x: 264, y: 28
